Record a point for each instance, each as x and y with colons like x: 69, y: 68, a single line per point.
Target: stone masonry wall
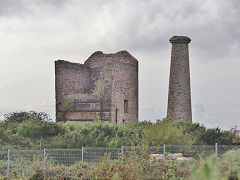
x: 120, y: 74
x: 70, y: 78
x: 125, y: 83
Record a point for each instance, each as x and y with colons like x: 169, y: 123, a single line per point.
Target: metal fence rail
x: 20, y: 161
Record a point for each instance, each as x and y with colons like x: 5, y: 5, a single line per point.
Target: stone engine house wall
x: 75, y: 83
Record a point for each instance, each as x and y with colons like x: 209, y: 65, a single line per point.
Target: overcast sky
x: 35, y: 33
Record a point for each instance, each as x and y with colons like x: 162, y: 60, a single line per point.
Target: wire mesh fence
x: 65, y: 157
x: 194, y: 151
x: 93, y: 154
x: 3, y: 163
x: 20, y: 161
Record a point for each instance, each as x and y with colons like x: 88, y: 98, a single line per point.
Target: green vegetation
x: 99, y: 90
x: 210, y: 136
x: 33, y: 130
x: 228, y: 167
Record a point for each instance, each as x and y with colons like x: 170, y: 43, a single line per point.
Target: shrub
x: 209, y: 136
x: 2, y: 134
x: 23, y: 116
x: 77, y: 134
x: 138, y: 166
x: 165, y: 133
x: 207, y: 171
x: 13, y: 120
x: 53, y: 171
x: 228, y: 167
x: 39, y: 129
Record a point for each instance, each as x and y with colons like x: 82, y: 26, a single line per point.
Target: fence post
x: 216, y: 151
x: 44, y: 156
x: 82, y: 154
x: 122, y: 152
x: 164, y: 150
x: 8, y: 168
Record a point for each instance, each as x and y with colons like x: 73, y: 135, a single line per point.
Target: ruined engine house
x: 105, y: 87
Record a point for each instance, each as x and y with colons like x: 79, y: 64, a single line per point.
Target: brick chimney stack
x: 179, y: 94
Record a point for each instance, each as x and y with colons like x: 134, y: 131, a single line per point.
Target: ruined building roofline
x: 124, y: 52
x: 68, y: 63
x: 100, y: 54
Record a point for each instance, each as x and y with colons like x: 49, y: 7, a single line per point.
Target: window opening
x: 125, y: 106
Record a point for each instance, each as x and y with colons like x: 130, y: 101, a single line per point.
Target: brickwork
x: 118, y: 73
x: 179, y: 95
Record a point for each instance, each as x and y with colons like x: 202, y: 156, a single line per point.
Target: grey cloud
x: 147, y: 26
x: 214, y: 34
x: 24, y: 7
x: 11, y: 7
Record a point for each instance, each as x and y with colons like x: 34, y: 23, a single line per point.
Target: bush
x: 96, y: 134
x: 23, y: 116
x: 228, y: 167
x: 207, y: 171
x: 210, y: 136
x: 13, y: 120
x: 36, y: 129
x: 165, y: 132
x: 2, y: 134
x: 53, y: 171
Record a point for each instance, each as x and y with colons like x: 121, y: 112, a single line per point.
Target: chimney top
x: 180, y: 39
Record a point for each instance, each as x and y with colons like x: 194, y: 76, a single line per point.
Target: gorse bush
x: 138, y: 166
x: 2, y: 134
x: 13, y: 120
x: 20, y: 117
x: 210, y: 136
x: 39, y: 129
x: 165, y: 133
x: 98, y: 134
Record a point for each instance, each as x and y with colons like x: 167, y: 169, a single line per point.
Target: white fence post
x: 44, y: 156
x: 82, y: 154
x: 164, y: 151
x: 216, y: 151
x: 122, y: 152
x: 8, y: 169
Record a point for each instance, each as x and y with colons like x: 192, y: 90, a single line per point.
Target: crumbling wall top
x: 121, y: 56
x: 63, y: 63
